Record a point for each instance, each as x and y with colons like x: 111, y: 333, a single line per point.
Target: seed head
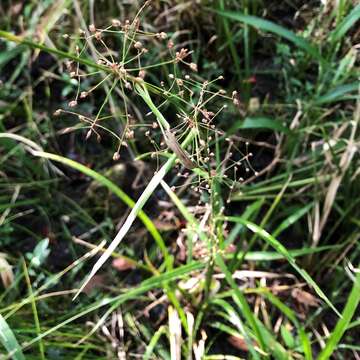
x: 193, y: 67
x: 138, y: 45
x: 72, y: 103
x: 92, y: 28
x: 116, y: 156
x: 129, y: 134
x: 142, y: 74
x: 161, y: 36
x: 116, y: 22
x: 181, y: 55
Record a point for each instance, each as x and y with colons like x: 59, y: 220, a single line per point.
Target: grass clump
x: 232, y: 137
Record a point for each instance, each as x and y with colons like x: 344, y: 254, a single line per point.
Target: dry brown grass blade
x: 174, y: 334
x: 345, y: 162
x: 6, y: 273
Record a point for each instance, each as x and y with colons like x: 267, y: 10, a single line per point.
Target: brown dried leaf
x: 305, y: 298
x: 123, y: 263
x: 6, y: 273
x: 238, y: 342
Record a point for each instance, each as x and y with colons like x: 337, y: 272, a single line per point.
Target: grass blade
x: 155, y: 181
x: 282, y: 250
x: 154, y: 340
x: 292, y: 219
x: 9, y: 341
x: 346, y: 24
x: 240, y: 298
x: 130, y: 294
x: 269, y: 26
x: 337, y: 94
x: 347, y: 314
x: 37, y: 151
x: 259, y: 123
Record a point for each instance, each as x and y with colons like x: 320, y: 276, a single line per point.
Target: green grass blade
x: 341, y: 326
x: 154, y: 340
x: 273, y: 256
x: 282, y: 250
x: 102, y: 180
x: 130, y: 294
x: 152, y: 185
x: 259, y: 123
x: 292, y: 317
x: 346, y: 24
x: 9, y: 341
x: 113, y: 188
x: 266, y: 25
x: 240, y: 300
x: 233, y: 317
x: 337, y: 94
x: 292, y: 219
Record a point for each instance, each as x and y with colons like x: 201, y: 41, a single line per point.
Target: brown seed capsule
x: 138, y: 45
x: 116, y: 22
x: 193, y: 67
x: 142, y: 74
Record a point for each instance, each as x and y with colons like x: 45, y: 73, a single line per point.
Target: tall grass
x: 232, y: 137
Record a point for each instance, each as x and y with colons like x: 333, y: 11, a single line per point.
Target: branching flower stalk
x: 155, y: 181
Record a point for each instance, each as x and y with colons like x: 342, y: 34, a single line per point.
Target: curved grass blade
x: 154, y: 340
x: 339, y: 93
x: 292, y: 317
x: 9, y: 341
x: 114, y: 189
x: 346, y: 24
x: 234, y: 319
x: 155, y: 181
x: 282, y: 250
x: 37, y: 151
x: 239, y: 298
x: 269, y: 26
x: 241, y: 302
x: 292, y: 219
x: 259, y: 123
x: 341, y: 326
x: 146, y: 285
